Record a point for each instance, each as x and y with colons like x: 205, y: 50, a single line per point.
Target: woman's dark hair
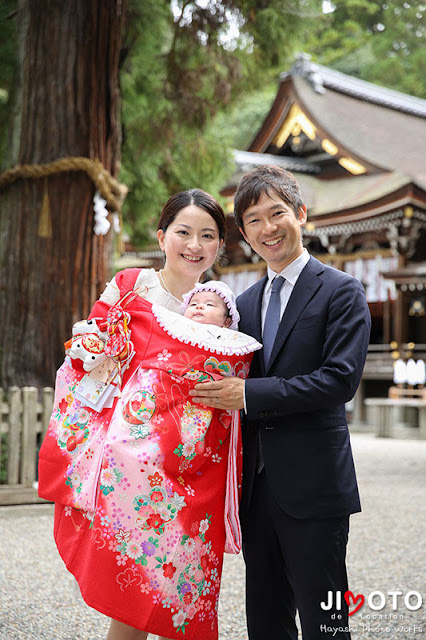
x: 266, y: 179
x: 197, y: 197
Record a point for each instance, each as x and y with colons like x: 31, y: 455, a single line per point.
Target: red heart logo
x: 359, y: 598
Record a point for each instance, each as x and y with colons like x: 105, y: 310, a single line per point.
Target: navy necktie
x: 272, y: 319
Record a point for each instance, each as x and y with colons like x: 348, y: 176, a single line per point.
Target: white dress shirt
x: 290, y: 273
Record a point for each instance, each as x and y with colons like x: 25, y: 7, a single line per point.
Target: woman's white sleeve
x: 111, y: 294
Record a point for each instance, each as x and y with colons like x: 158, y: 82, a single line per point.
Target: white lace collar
x: 207, y: 336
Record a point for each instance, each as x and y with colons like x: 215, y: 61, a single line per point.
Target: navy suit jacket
x: 298, y: 403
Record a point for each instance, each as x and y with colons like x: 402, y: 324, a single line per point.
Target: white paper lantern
x: 411, y: 372
x: 421, y: 374
x: 400, y: 372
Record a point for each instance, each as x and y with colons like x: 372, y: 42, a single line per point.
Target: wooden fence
x: 24, y: 418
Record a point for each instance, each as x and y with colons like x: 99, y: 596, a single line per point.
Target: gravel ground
x: 39, y: 600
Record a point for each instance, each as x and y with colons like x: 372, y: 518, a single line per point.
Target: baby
x: 211, y: 303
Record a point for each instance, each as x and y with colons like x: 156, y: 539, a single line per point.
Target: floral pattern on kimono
x: 141, y: 485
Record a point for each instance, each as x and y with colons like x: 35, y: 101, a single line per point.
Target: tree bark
x: 67, y: 104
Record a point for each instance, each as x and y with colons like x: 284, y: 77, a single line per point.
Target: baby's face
x: 208, y: 307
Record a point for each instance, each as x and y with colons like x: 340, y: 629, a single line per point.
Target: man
x: 299, y: 484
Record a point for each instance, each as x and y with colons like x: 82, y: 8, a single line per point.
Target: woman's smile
x: 192, y: 258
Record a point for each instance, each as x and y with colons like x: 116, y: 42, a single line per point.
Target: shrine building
x: 358, y: 152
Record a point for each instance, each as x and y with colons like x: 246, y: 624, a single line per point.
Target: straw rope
x: 109, y: 188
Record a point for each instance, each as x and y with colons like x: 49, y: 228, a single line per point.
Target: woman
x: 190, y: 232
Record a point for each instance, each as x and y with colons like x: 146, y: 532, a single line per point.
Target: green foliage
x: 274, y: 27
x: 170, y: 93
x: 399, y: 48
x: 186, y: 63
x: 382, y: 42
x: 241, y: 122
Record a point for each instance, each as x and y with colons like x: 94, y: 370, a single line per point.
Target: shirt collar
x: 292, y: 271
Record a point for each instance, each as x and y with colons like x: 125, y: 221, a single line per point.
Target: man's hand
x: 227, y: 393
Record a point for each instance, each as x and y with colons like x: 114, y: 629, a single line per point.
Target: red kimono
x: 140, y: 484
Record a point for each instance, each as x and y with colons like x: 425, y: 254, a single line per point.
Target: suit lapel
x: 306, y: 286
x: 254, y: 322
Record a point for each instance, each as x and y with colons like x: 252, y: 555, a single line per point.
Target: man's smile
x: 272, y: 243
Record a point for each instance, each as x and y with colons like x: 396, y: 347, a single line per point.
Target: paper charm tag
x: 98, y: 388
x: 96, y: 394
x: 103, y: 371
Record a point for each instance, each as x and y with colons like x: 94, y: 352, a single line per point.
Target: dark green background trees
x: 187, y: 65
x: 198, y: 77
x: 382, y: 42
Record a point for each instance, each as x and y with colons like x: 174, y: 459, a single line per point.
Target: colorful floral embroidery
x: 140, y: 511
x: 110, y: 478
x: 194, y: 422
x: 197, y: 376
x: 223, y: 368
x: 140, y: 408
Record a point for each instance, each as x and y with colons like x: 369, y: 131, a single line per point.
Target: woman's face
x: 190, y: 242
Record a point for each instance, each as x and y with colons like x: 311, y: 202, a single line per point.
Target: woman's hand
x: 227, y: 393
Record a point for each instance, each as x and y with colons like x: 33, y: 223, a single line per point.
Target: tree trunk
x: 67, y: 104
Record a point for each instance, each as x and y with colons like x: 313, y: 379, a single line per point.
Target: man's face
x: 273, y: 230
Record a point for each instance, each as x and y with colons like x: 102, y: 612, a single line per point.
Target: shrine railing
x: 24, y: 418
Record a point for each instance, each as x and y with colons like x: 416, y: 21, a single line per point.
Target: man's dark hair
x: 266, y: 179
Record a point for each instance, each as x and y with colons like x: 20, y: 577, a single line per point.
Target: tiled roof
x: 327, y: 196
x: 321, y: 77
x: 382, y: 129
x: 386, y: 138
x: 246, y: 160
